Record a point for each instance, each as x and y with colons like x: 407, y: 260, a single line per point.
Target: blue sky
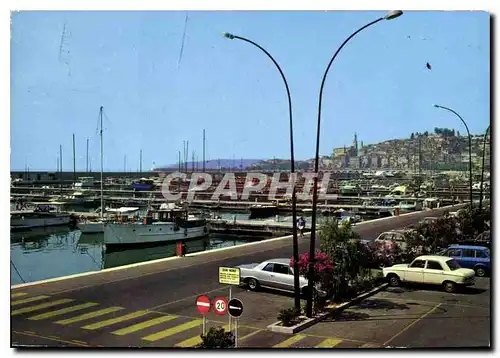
x: 127, y: 62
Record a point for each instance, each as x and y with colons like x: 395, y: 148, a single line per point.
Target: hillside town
x: 441, y: 150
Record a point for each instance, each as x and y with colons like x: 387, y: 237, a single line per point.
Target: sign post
x: 229, y: 276
x: 235, y: 309
x: 203, y: 306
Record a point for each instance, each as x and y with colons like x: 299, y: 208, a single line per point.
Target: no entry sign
x: 235, y: 308
x: 203, y: 304
x: 220, y: 306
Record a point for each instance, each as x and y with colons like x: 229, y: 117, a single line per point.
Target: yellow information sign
x: 229, y: 275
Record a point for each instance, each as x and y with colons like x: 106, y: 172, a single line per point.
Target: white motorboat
x: 97, y: 226
x: 165, y: 225
x: 39, y: 217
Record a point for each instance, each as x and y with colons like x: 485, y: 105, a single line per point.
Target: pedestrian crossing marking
x: 62, y: 311
x: 174, y: 330
x: 89, y: 315
x: 138, y: 326
x: 329, y: 343
x: 288, y: 342
x: 28, y: 300
x: 370, y: 345
x: 40, y: 306
x: 115, y: 320
x: 18, y: 294
x: 191, y: 342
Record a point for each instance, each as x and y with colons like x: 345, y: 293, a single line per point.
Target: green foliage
x: 341, y: 245
x: 217, y: 337
x: 288, y: 316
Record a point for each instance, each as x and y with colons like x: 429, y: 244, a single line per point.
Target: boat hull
x: 116, y: 235
x: 30, y: 221
x: 91, y: 227
x: 263, y: 212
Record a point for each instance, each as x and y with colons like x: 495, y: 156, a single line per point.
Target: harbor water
x: 52, y: 252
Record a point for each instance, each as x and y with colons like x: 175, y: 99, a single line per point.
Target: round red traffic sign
x: 220, y: 306
x: 203, y: 304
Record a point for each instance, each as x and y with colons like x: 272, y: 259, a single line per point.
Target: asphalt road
x: 417, y: 317
x: 155, y: 292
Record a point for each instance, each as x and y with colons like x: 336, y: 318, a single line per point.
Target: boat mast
x: 102, y: 183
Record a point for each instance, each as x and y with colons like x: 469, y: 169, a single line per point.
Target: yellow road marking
x: 28, y: 300
x: 329, y: 343
x: 411, y: 324
x: 174, y: 330
x: 112, y: 321
x: 62, y: 311
x: 89, y: 315
x: 370, y: 345
x: 191, y: 342
x: 51, y: 338
x: 80, y: 342
x: 249, y: 335
x: 288, y: 342
x: 138, y: 326
x: 39, y: 307
x: 18, y: 294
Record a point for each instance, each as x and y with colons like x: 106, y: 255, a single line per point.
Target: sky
x: 65, y: 65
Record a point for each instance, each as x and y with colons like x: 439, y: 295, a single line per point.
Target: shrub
x: 323, y: 266
x: 288, y: 316
x: 341, y: 245
x: 217, y: 337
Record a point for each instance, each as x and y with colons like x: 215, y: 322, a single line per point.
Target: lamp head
x: 393, y: 14
x: 436, y: 105
x: 228, y: 35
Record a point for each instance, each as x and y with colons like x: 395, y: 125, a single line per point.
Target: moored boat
x: 41, y: 216
x: 168, y: 224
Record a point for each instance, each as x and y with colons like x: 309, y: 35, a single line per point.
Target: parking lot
x: 416, y: 317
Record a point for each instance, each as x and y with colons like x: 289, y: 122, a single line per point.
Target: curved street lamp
x: 470, y: 149
x: 482, y: 168
x: 391, y: 15
x: 296, y: 278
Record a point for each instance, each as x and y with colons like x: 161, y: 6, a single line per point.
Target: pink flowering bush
x: 323, y: 266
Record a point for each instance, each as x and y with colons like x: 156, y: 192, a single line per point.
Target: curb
x: 311, y: 321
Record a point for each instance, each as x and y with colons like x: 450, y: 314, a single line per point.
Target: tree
x: 426, y: 133
x: 412, y: 136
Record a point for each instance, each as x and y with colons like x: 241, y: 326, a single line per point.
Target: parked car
x: 431, y: 269
x: 477, y: 258
x: 275, y: 274
x: 396, y: 236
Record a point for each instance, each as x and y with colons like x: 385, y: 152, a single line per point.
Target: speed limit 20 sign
x: 220, y: 306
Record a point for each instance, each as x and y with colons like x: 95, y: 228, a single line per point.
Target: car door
x: 433, y: 273
x: 265, y: 276
x: 415, y: 272
x: 468, y: 259
x: 483, y: 258
x: 283, y: 277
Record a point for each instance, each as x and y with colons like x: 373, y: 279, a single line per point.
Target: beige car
x: 430, y: 269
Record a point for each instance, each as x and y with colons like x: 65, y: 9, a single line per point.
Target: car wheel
x: 449, y: 286
x: 394, y: 280
x: 253, y: 284
x: 480, y: 271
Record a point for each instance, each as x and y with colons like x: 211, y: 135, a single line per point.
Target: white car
x: 430, y: 269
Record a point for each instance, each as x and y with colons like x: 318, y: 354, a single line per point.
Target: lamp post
x: 391, y: 15
x: 470, y: 149
x: 296, y: 280
x: 482, y: 169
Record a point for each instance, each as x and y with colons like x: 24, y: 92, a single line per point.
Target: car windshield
x: 453, y: 265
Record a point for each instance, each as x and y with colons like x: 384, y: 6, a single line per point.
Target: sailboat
x: 94, y: 227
